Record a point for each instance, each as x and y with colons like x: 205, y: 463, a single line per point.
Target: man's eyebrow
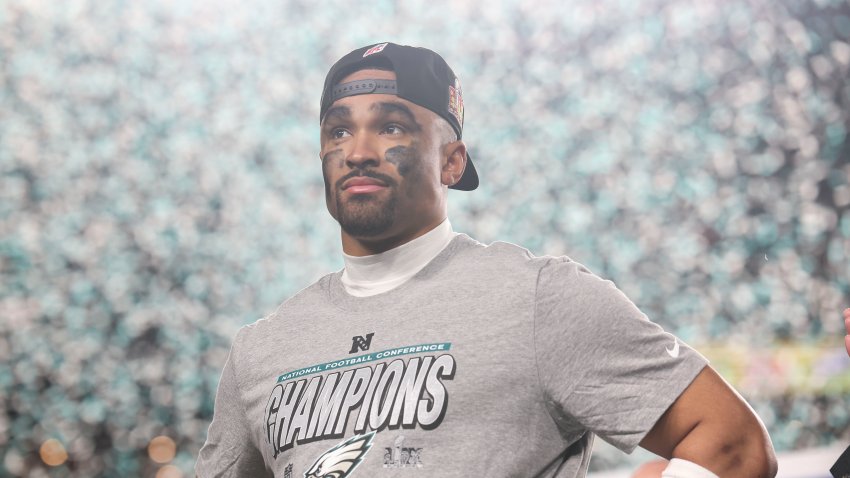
x: 388, y: 107
x: 338, y: 111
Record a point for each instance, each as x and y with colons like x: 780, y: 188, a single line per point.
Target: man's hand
x: 712, y: 426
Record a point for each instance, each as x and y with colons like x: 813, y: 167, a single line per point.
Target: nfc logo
x: 359, y: 343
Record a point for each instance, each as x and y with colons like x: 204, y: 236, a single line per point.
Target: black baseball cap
x: 422, y: 77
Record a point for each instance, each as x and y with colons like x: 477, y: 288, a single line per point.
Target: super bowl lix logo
x: 400, y: 456
x: 456, y: 101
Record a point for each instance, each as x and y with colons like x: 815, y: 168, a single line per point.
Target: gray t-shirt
x: 488, y: 362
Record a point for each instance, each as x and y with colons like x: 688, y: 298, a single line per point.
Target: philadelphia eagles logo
x: 341, y: 460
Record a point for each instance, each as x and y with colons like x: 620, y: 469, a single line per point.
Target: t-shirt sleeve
x: 603, y: 366
x: 229, y: 450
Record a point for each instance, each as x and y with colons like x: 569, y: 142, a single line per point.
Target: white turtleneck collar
x: 364, y: 276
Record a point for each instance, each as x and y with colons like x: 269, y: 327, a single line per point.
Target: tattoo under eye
x: 336, y: 156
x: 403, y: 157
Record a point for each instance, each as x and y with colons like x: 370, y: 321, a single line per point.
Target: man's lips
x: 363, y: 185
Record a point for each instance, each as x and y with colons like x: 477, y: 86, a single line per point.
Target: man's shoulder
x: 509, y: 254
x: 509, y: 263
x: 504, y: 259
x: 312, y: 296
x: 317, y: 291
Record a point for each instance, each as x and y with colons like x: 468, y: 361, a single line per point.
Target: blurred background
x: 160, y: 187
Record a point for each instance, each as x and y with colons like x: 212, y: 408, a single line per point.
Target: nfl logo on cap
x: 375, y: 49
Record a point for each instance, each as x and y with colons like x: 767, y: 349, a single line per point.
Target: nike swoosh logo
x: 674, y: 352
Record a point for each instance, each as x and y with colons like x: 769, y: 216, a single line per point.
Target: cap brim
x: 469, y: 180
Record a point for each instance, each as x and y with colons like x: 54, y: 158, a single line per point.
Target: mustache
x: 366, y: 174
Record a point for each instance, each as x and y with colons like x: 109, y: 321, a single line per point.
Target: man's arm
x: 229, y: 451
x: 712, y: 426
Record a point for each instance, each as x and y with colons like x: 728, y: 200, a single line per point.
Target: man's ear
x: 454, y: 162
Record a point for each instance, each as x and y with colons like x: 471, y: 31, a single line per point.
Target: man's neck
x: 373, y: 274
x: 358, y: 247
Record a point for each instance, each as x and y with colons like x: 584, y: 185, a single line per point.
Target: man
x: 477, y: 360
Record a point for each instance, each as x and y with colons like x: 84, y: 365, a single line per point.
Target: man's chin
x: 366, y: 223
x: 365, y: 229
x: 367, y: 217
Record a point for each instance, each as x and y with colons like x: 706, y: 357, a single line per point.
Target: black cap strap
x: 362, y: 87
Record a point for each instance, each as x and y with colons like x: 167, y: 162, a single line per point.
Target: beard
x: 366, y: 216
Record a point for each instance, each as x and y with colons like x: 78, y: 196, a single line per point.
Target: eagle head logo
x: 341, y: 460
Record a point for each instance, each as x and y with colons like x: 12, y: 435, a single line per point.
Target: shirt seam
x: 540, y: 387
x: 241, y: 399
x: 694, y: 367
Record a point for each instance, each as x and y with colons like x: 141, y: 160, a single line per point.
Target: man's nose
x: 364, y: 153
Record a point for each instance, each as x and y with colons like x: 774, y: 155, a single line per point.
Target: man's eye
x: 338, y: 133
x: 393, y: 129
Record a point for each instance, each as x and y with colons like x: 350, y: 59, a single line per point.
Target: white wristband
x: 679, y: 468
